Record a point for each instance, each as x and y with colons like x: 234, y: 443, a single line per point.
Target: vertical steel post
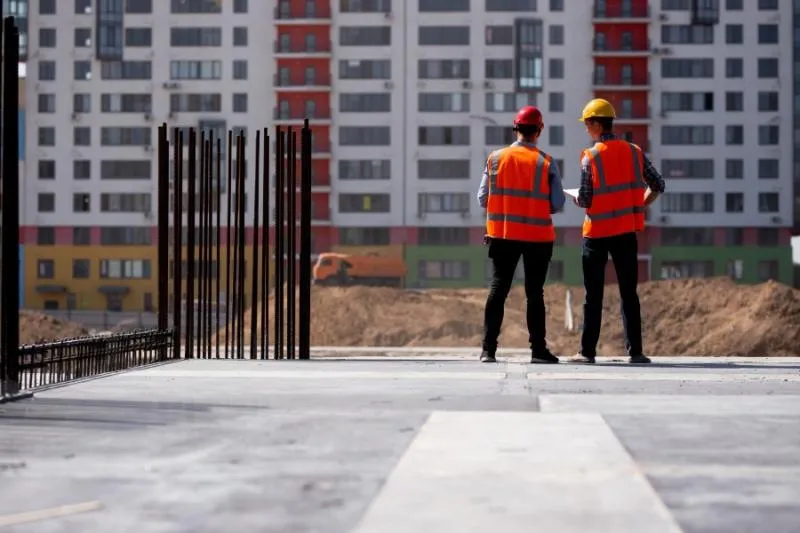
x: 218, y: 239
x: 304, y: 327
x: 177, y: 239
x: 254, y: 299
x: 191, y: 245
x: 291, y: 270
x: 242, y: 176
x: 201, y: 246
x: 229, y: 317
x: 163, y: 234
x: 265, y: 252
x: 279, y: 239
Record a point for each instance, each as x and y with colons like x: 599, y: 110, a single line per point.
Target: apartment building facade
x: 407, y: 100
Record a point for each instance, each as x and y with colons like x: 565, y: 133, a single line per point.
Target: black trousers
x: 624, y: 251
x: 505, y: 255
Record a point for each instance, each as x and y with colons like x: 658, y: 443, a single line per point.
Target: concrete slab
x: 510, y: 472
x: 660, y: 404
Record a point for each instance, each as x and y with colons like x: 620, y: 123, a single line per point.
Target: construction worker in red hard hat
x: 520, y: 189
x: 618, y: 181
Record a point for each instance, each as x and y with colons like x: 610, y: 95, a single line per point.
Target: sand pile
x: 681, y: 317
x: 35, y: 328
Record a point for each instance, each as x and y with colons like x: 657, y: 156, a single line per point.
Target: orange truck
x: 336, y: 269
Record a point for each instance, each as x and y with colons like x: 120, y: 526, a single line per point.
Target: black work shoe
x: 488, y: 357
x: 639, y: 360
x: 544, y: 358
x: 581, y: 359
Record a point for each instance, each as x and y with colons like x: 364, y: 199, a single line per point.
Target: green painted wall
x: 749, y: 255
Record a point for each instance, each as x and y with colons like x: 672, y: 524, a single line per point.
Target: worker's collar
x: 606, y: 137
x: 524, y: 143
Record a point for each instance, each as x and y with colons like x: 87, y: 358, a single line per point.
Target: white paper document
x: 571, y: 192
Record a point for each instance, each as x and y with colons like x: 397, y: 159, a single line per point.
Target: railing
x: 621, y: 47
x: 601, y: 11
x: 294, y: 115
x: 632, y: 81
x: 285, y: 13
x: 293, y: 82
x: 323, y: 47
x: 42, y: 365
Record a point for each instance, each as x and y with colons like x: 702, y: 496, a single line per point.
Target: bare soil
x: 700, y: 317
x: 36, y: 328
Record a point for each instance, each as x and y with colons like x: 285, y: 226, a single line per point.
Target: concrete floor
x: 388, y: 445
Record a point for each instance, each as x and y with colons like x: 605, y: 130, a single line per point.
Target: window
x: 45, y: 269
x: 687, y: 202
x: 365, y: 35
x: 768, y: 270
x: 433, y: 236
x: 47, y: 7
x: 734, y: 5
x: 109, y: 31
x: 195, y: 70
x: 125, y: 136
x: 687, y: 68
x: 510, y: 5
x: 768, y: 67
x: 365, y: 136
x: 125, y: 203
x: 443, y: 135
x: 195, y: 102
x: 768, y: 169
x: 438, y: 169
x: 81, y: 202
x: 196, y: 6
x: 499, y: 136
x: 555, y: 135
x: 556, y: 5
x: 47, y: 103
x: 364, y: 236
x: 126, y: 236
x: 768, y: 135
x: 768, y: 202
x: 138, y: 37
x: 508, y: 102
x: 687, y: 236
x: 138, y: 6
x: 443, y: 69
x: 688, y: 168
x: 555, y: 33
x: 200, y: 36
x: 734, y: 134
x: 47, y: 70
x: 686, y: 34
x: 499, y: 35
x: 126, y: 103
x: 499, y: 69
x: 365, y: 102
x: 46, y: 202
x: 81, y: 169
x: 443, y: 102
x: 734, y: 67
x: 447, y: 269
x: 125, y: 269
x: 47, y: 136
x: 126, y: 70
x: 676, y: 5
x: 240, y: 102
x: 82, y: 136
x: 556, y: 102
x: 240, y: 6
x: 443, y: 36
x: 125, y: 170
x: 768, y: 237
x: 240, y: 69
x: 240, y: 36
x: 687, y: 135
x: 734, y: 101
x: 47, y: 37
x: 734, y: 236
x: 449, y: 202
x: 81, y: 103
x: 362, y: 6
x: 364, y: 203
x: 528, y: 54
x: 436, y: 6
x: 47, y: 170
x: 686, y: 269
x: 734, y: 202
x: 767, y: 34
x: 82, y: 70
x: 734, y: 169
x: 81, y: 268
x: 83, y: 38
x: 365, y: 69
x: 734, y: 33
x: 687, y: 101
x: 556, y: 67
x: 768, y: 101
x: 365, y: 169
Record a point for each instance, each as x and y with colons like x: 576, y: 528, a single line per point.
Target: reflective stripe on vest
x: 502, y: 224
x: 603, y: 188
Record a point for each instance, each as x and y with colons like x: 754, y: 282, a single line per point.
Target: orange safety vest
x: 618, y: 199
x: 518, y: 207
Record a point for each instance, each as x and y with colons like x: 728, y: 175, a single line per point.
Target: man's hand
x: 575, y: 200
x: 650, y: 196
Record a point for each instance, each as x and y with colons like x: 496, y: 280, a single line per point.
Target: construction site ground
x: 414, y: 440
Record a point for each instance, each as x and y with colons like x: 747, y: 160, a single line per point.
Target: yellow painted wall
x: 389, y: 250
x: 88, y: 296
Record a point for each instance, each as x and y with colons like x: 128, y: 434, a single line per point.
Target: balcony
x: 633, y: 117
x: 624, y: 49
x: 310, y: 15
x: 302, y: 83
x: 621, y: 82
x: 291, y: 117
x: 288, y: 50
x: 620, y: 13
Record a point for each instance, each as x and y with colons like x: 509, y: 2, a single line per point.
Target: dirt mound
x: 35, y: 328
x: 681, y: 317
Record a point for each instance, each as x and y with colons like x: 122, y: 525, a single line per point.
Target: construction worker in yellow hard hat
x: 614, y: 176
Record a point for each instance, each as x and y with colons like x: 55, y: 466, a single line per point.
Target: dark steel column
x: 304, y: 326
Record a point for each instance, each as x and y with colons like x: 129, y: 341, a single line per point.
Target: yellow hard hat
x: 598, y: 108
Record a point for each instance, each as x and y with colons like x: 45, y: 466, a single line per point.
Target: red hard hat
x: 529, y: 116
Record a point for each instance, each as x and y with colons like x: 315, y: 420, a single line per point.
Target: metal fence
x: 252, y: 261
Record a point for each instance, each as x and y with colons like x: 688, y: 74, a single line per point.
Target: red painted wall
x: 613, y: 33
x: 297, y: 9
x: 638, y: 8
x: 639, y: 99
x: 613, y: 68
x: 297, y: 36
x: 297, y: 69
x: 297, y: 102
